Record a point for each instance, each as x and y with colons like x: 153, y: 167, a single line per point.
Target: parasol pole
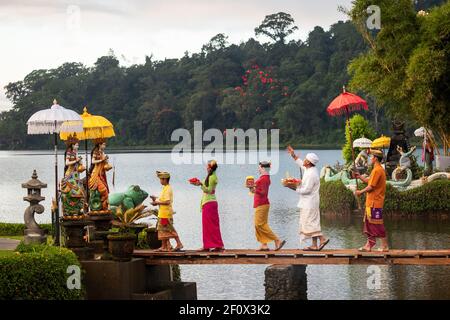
x: 56, y: 215
x: 86, y: 205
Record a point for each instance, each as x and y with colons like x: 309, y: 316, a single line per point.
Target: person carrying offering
x: 309, y: 203
x: 166, y: 230
x: 261, y: 203
x: 212, y: 238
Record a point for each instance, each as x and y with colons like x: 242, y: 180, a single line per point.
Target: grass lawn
x: 4, y: 253
x: 13, y: 237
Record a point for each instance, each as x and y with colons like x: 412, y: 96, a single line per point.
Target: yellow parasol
x: 94, y: 127
x: 381, y: 142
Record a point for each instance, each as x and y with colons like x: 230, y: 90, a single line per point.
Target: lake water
x: 236, y: 214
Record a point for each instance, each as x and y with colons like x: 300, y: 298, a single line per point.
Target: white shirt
x: 309, y: 187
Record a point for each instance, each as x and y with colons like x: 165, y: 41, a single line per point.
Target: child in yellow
x: 166, y: 230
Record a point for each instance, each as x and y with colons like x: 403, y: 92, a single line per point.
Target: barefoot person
x: 376, y: 190
x: 166, y: 230
x: 212, y: 238
x: 261, y: 204
x: 309, y: 201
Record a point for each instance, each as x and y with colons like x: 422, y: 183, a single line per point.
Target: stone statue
x: 33, y: 233
x: 398, y: 139
x: 399, y: 180
x: 405, y: 161
x: 72, y: 189
x: 362, y: 161
x: 98, y: 184
x: 330, y: 174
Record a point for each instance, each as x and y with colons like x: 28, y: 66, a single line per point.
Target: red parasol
x: 347, y: 102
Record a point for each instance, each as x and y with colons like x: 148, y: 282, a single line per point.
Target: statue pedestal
x: 73, y: 235
x: 102, y: 224
x: 34, y: 236
x: 102, y: 221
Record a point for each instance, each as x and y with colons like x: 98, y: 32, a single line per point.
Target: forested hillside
x: 283, y: 83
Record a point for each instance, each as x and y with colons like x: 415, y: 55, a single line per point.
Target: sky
x: 43, y: 34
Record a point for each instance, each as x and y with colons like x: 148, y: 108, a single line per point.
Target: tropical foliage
x: 407, y: 67
x: 284, y: 83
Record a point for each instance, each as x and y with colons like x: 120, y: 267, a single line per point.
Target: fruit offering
x: 290, y: 182
x: 194, y: 181
x: 250, y: 182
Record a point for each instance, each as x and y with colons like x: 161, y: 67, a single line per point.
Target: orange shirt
x: 377, y: 180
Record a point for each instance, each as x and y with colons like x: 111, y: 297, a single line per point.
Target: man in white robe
x: 309, y: 203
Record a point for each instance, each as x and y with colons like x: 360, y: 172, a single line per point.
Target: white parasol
x: 421, y: 132
x: 362, y: 143
x: 49, y: 121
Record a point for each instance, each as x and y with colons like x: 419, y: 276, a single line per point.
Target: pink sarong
x: 211, y: 226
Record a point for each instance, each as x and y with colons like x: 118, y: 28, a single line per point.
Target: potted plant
x: 121, y: 245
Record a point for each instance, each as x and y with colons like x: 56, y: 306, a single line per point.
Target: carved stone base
x: 102, y: 221
x: 74, y: 232
x: 34, y: 237
x: 85, y: 253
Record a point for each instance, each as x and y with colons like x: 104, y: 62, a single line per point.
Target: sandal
x: 281, y: 245
x: 363, y: 249
x: 383, y: 249
x: 263, y: 249
x: 311, y: 249
x: 323, y: 244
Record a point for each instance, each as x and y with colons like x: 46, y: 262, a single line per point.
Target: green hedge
x: 37, y: 272
x: 17, y: 229
x: 335, y: 197
x: 431, y: 197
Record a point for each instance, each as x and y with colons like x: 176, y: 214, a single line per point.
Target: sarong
x: 166, y: 229
x: 263, y: 232
x: 212, y: 237
x: 309, y: 224
x: 374, y: 225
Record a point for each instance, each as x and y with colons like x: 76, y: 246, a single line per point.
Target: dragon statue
x: 330, y: 174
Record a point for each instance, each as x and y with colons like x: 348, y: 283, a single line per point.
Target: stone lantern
x: 33, y: 233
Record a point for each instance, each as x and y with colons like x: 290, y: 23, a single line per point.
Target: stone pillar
x: 286, y: 282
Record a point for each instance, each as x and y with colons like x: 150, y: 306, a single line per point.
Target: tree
x: 277, y: 26
x: 381, y: 71
x: 360, y: 128
x: 218, y: 42
x: 428, y: 74
x: 290, y: 89
x: 407, y: 71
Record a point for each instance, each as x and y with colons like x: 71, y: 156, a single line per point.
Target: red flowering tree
x: 253, y: 101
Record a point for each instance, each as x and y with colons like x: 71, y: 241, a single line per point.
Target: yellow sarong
x: 263, y: 232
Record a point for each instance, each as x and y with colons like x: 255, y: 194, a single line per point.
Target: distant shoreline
x: 168, y: 148
x: 162, y: 149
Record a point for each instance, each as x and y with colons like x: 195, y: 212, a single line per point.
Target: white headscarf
x: 313, y: 158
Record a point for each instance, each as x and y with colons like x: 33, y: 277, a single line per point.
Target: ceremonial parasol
x: 362, y: 143
x: 94, y: 127
x: 345, y: 103
x: 381, y: 142
x: 49, y: 121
